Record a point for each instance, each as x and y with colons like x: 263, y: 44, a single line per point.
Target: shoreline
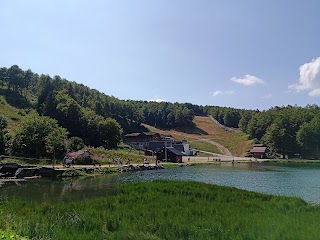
x: 232, y: 159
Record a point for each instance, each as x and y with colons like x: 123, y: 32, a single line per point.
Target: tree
x: 3, y: 76
x: 38, y: 136
x: 16, y: 77
x: 27, y: 80
x: 3, y: 125
x: 308, y: 137
x: 274, y: 137
x: 55, y: 141
x: 258, y: 124
x: 75, y: 144
x: 231, y: 118
x: 245, y: 118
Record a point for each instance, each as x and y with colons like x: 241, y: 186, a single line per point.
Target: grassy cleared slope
x: 12, y: 114
x: 206, y: 130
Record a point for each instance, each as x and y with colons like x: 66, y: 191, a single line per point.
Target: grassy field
x: 205, y: 129
x: 204, y: 147
x: 165, y: 210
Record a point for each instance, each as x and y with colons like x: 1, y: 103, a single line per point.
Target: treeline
x: 129, y: 114
x: 286, y: 130
x: 96, y: 118
x: 100, y: 120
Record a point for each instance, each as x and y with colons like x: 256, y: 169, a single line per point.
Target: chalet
x: 173, y: 155
x: 184, y: 147
x: 141, y: 140
x: 259, y: 152
x: 156, y: 146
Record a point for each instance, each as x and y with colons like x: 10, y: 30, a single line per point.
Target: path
x: 223, y: 149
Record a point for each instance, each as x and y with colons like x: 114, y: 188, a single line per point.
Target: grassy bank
x: 165, y: 210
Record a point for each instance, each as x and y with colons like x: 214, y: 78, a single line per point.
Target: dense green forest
x: 96, y: 118
x: 289, y: 130
x: 101, y: 120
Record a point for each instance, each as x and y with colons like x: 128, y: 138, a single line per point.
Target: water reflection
x: 301, y: 180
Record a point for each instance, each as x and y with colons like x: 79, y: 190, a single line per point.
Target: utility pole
x: 165, y: 149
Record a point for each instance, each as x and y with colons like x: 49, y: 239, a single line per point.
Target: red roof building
x: 259, y: 152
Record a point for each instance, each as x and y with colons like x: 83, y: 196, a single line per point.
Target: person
x: 68, y: 162
x: 64, y: 160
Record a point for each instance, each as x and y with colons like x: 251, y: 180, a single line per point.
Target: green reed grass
x: 165, y: 210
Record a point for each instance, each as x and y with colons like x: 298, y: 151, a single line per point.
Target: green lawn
x: 165, y: 210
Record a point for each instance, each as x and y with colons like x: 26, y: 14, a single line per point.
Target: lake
x: 289, y: 179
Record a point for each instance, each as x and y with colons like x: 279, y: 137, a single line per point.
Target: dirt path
x: 222, y: 149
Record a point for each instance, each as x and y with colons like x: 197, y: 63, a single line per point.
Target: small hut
x: 82, y: 156
x: 259, y: 152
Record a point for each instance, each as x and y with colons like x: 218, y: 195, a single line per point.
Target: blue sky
x: 245, y: 54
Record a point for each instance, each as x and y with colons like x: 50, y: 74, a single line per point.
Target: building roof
x: 132, y: 135
x: 258, y: 150
x: 165, y: 136
x: 175, y: 151
x: 80, y: 153
x: 155, y: 145
x: 150, y: 133
x: 178, y: 146
x: 141, y: 133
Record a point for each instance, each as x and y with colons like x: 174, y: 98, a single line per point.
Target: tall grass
x: 165, y: 210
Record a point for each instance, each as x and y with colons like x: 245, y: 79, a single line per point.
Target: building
x: 173, y: 155
x: 259, y: 152
x: 141, y: 140
x: 83, y: 156
x: 156, y: 146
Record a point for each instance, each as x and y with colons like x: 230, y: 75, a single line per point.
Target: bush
x: 11, y: 236
x: 84, y: 161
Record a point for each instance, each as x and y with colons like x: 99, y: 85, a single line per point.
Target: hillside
x: 289, y: 130
x: 12, y: 114
x: 208, y: 136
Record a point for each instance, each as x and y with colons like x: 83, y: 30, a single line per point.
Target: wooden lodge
x: 173, y: 155
x: 259, y: 152
x: 141, y: 140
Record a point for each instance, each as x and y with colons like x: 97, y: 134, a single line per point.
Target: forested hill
x: 290, y: 130
x: 96, y: 117
x: 73, y: 110
x: 55, y: 95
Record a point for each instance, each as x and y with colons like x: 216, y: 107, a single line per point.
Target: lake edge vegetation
x: 164, y: 209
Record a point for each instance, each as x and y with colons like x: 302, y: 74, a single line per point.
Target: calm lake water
x: 289, y: 179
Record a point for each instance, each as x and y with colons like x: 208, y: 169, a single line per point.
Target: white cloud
x: 248, y: 80
x: 315, y: 93
x: 309, y: 78
x: 157, y: 100
x: 217, y: 93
